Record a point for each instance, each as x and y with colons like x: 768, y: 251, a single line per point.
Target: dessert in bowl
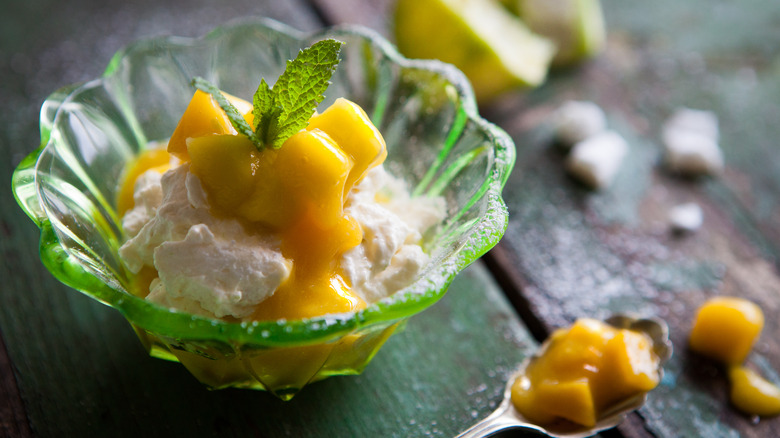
x: 92, y: 132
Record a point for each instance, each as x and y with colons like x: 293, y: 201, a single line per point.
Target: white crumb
x: 596, y: 160
x: 686, y: 217
x: 691, y: 143
x: 700, y: 121
x: 577, y: 120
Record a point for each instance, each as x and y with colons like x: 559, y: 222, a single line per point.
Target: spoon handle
x: 502, y: 418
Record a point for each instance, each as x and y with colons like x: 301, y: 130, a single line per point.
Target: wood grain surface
x: 72, y: 367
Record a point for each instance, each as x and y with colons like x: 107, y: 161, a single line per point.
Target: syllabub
x: 221, y: 229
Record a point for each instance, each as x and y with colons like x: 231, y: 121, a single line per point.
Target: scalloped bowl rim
x: 319, y: 329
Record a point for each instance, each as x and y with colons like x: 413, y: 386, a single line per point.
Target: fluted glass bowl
x: 90, y: 132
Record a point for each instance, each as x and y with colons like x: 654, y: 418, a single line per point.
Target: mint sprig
x: 285, y: 109
x: 236, y: 119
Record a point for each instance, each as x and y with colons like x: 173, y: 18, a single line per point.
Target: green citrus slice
x: 576, y: 26
x: 495, y: 50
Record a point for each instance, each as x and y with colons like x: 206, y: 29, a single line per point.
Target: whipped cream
x: 214, y: 267
x: 390, y: 256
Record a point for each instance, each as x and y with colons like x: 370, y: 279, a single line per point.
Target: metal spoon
x: 507, y: 417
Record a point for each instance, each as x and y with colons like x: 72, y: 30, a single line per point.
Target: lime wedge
x: 495, y: 50
x: 576, y: 26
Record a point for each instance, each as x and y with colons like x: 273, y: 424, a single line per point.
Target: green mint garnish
x: 262, y: 108
x: 285, y: 109
x: 236, y: 119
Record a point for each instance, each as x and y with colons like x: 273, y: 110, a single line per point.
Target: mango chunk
x: 244, y: 108
x: 349, y: 126
x: 524, y: 400
x: 726, y: 328
x: 752, y: 394
x: 202, y: 117
x: 630, y: 367
x: 157, y: 159
x: 305, y: 176
x: 571, y: 400
x: 226, y: 166
x: 583, y: 371
x: 576, y: 352
x: 314, y: 168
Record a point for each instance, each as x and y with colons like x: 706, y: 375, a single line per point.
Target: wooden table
x: 70, y: 367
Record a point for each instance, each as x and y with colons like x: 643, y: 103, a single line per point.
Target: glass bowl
x: 89, y: 132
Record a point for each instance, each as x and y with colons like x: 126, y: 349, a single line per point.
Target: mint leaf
x: 236, y: 119
x: 263, y: 103
x: 284, y: 110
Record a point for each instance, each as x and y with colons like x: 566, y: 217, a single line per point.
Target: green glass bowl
x: 90, y: 132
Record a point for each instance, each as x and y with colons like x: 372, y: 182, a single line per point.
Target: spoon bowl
x: 506, y: 417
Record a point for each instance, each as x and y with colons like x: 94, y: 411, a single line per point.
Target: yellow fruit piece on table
x: 157, y: 159
x: 576, y: 26
x: 226, y: 166
x: 202, y: 117
x: 349, y: 126
x: 726, y: 329
x: 495, y: 50
x: 629, y: 367
x: 752, y: 394
x: 571, y: 400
